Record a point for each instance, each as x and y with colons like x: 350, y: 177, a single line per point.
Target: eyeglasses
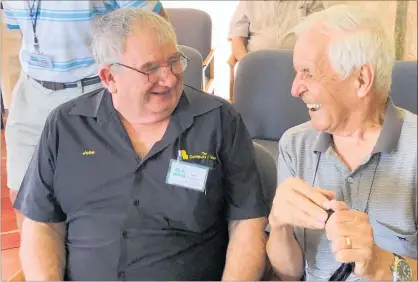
x: 177, y: 64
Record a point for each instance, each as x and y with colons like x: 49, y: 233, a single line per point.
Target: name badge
x: 39, y: 60
x: 187, y: 175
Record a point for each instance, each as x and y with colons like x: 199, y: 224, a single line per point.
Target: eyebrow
x: 310, y: 69
x: 148, y: 64
x: 301, y: 68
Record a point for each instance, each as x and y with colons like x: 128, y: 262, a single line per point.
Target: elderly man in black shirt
x: 144, y: 180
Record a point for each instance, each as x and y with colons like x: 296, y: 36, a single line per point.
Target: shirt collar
x: 388, y: 138
x: 99, y: 104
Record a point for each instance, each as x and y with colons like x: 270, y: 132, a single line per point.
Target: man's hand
x: 232, y: 61
x: 299, y: 204
x: 238, y: 47
x: 352, y: 240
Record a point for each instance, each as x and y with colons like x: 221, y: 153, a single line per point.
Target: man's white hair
x: 361, y: 40
x: 111, y: 31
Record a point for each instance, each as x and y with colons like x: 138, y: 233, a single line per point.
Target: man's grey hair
x: 361, y: 39
x: 111, y: 31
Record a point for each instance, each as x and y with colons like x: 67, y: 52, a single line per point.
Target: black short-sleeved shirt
x: 123, y: 220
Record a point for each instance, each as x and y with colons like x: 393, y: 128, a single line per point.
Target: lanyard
x: 34, y: 18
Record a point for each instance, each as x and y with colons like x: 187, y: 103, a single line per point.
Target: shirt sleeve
x: 284, y: 165
x: 10, y: 18
x: 244, y: 195
x: 240, y: 23
x: 154, y: 6
x: 36, y: 198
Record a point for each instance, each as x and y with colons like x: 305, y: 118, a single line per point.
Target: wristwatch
x: 401, y: 270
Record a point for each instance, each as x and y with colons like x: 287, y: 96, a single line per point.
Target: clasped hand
x: 351, y: 236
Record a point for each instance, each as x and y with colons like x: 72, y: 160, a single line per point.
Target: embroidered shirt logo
x: 88, y: 153
x: 199, y: 156
x: 184, y: 155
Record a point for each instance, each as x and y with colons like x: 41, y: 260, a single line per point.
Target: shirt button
x: 350, y: 180
x: 136, y: 203
x: 124, y: 234
x: 121, y: 274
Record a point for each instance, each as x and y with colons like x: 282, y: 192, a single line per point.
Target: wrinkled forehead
x: 148, y: 44
x: 311, y: 48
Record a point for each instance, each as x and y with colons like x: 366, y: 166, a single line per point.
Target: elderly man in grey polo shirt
x: 357, y: 157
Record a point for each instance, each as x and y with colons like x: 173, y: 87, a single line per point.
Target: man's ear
x: 364, y: 81
x: 106, y: 74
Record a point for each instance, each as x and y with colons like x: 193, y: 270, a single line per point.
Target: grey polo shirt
x: 123, y: 221
x: 392, y: 206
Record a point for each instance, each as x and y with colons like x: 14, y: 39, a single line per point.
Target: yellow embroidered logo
x: 184, y: 155
x: 88, y: 153
x: 201, y: 156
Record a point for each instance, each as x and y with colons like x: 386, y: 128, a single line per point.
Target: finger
x: 301, y: 202
x: 301, y: 219
x: 313, y: 194
x: 355, y: 242
x: 337, y: 205
x: 341, y: 217
x: 348, y: 229
x: 353, y: 255
x: 327, y: 193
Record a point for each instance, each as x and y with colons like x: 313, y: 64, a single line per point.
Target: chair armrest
x: 209, y: 58
x: 17, y: 276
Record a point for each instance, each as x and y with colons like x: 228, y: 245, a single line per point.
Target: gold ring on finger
x: 348, y: 242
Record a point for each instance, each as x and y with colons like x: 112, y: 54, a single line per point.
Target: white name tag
x: 39, y: 60
x: 187, y: 175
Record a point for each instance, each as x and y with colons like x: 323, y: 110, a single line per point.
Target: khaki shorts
x: 31, y: 105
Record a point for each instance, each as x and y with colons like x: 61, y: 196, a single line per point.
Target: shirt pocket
x: 404, y: 244
x: 200, y: 210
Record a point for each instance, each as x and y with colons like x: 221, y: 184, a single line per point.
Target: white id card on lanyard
x: 39, y: 60
x: 187, y: 175
x: 36, y: 58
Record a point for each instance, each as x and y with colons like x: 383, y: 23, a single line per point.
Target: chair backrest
x: 268, y: 172
x: 193, y: 28
x: 262, y: 94
x: 193, y: 75
x: 404, y: 85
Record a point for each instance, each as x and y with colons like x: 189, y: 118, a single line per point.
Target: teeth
x: 313, y: 107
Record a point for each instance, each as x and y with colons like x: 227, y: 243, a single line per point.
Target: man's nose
x: 298, y: 87
x: 166, y: 77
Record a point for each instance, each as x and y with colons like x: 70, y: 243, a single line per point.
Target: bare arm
x: 287, y: 263
x: 42, y: 250
x: 246, y: 256
x: 238, y: 47
x: 10, y: 64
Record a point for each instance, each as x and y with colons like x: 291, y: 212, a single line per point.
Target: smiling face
x: 330, y: 99
x: 134, y: 96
